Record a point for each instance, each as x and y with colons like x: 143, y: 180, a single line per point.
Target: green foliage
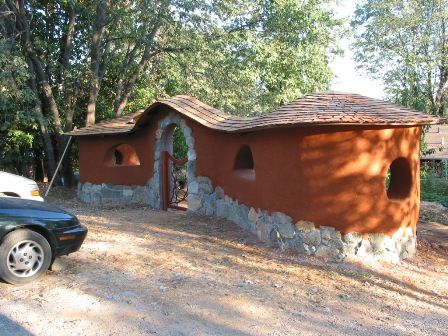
x: 404, y: 44
x: 180, y: 152
x: 236, y: 55
x: 15, y: 94
x: 260, y: 55
x: 18, y: 129
x: 180, y: 147
x: 434, y: 184
x: 245, y: 57
x: 16, y: 149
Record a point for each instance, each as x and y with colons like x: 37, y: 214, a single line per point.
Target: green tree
x: 18, y: 127
x: 96, y: 59
x: 260, y: 55
x: 405, y: 43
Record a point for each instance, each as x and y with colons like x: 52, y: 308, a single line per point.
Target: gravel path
x: 146, y: 272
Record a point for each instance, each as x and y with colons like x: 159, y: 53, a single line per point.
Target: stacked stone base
x: 114, y: 194
x: 276, y: 228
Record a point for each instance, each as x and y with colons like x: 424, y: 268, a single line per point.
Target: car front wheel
x: 24, y: 256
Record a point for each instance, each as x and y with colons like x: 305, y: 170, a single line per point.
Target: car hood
x: 17, y: 207
x: 9, y: 179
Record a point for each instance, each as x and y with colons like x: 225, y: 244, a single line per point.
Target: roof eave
x: 273, y: 126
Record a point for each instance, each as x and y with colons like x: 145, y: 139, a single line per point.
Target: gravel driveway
x: 145, y: 272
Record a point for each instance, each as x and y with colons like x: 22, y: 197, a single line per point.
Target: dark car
x: 32, y: 235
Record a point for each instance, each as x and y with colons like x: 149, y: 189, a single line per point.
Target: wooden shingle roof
x: 327, y: 108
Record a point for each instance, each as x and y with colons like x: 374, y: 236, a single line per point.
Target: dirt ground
x: 147, y: 272
x: 433, y: 227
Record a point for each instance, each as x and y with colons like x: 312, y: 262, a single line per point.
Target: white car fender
x: 18, y: 186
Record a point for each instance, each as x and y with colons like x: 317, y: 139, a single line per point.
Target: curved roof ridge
x: 313, y: 109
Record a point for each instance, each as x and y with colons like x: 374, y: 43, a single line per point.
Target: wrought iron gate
x: 175, y: 186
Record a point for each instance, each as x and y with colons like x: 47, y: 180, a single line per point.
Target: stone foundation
x: 278, y: 229
x: 113, y: 194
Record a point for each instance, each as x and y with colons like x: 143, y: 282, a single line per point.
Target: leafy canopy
x: 405, y: 43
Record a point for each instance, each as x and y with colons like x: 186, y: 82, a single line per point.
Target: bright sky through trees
x: 347, y: 77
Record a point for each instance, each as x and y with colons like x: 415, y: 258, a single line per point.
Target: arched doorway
x: 174, y: 165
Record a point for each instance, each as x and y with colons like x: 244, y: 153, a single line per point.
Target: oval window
x: 399, y: 179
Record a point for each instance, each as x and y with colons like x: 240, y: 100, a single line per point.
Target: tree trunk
x: 35, y: 65
x: 126, y: 64
x: 67, y: 167
x: 70, y: 96
x: 95, y: 60
x: 27, y: 44
x: 48, y: 145
x: 442, y: 89
x: 66, y: 50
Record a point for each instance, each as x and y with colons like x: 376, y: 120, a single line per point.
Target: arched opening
x: 174, y: 167
x: 399, y: 179
x: 244, y: 158
x: 174, y: 142
x: 118, y: 157
x: 122, y: 155
x: 244, y: 163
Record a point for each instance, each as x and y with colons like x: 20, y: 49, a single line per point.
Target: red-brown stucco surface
x: 95, y: 151
x: 330, y: 175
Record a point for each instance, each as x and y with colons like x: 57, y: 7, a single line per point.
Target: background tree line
x: 74, y: 62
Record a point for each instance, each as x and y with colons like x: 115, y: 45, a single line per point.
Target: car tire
x: 24, y: 256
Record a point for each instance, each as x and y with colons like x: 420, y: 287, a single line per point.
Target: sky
x: 348, y: 78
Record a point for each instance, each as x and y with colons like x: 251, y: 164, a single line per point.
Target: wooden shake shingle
x: 326, y: 108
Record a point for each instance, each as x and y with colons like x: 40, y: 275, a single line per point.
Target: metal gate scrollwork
x: 175, y: 184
